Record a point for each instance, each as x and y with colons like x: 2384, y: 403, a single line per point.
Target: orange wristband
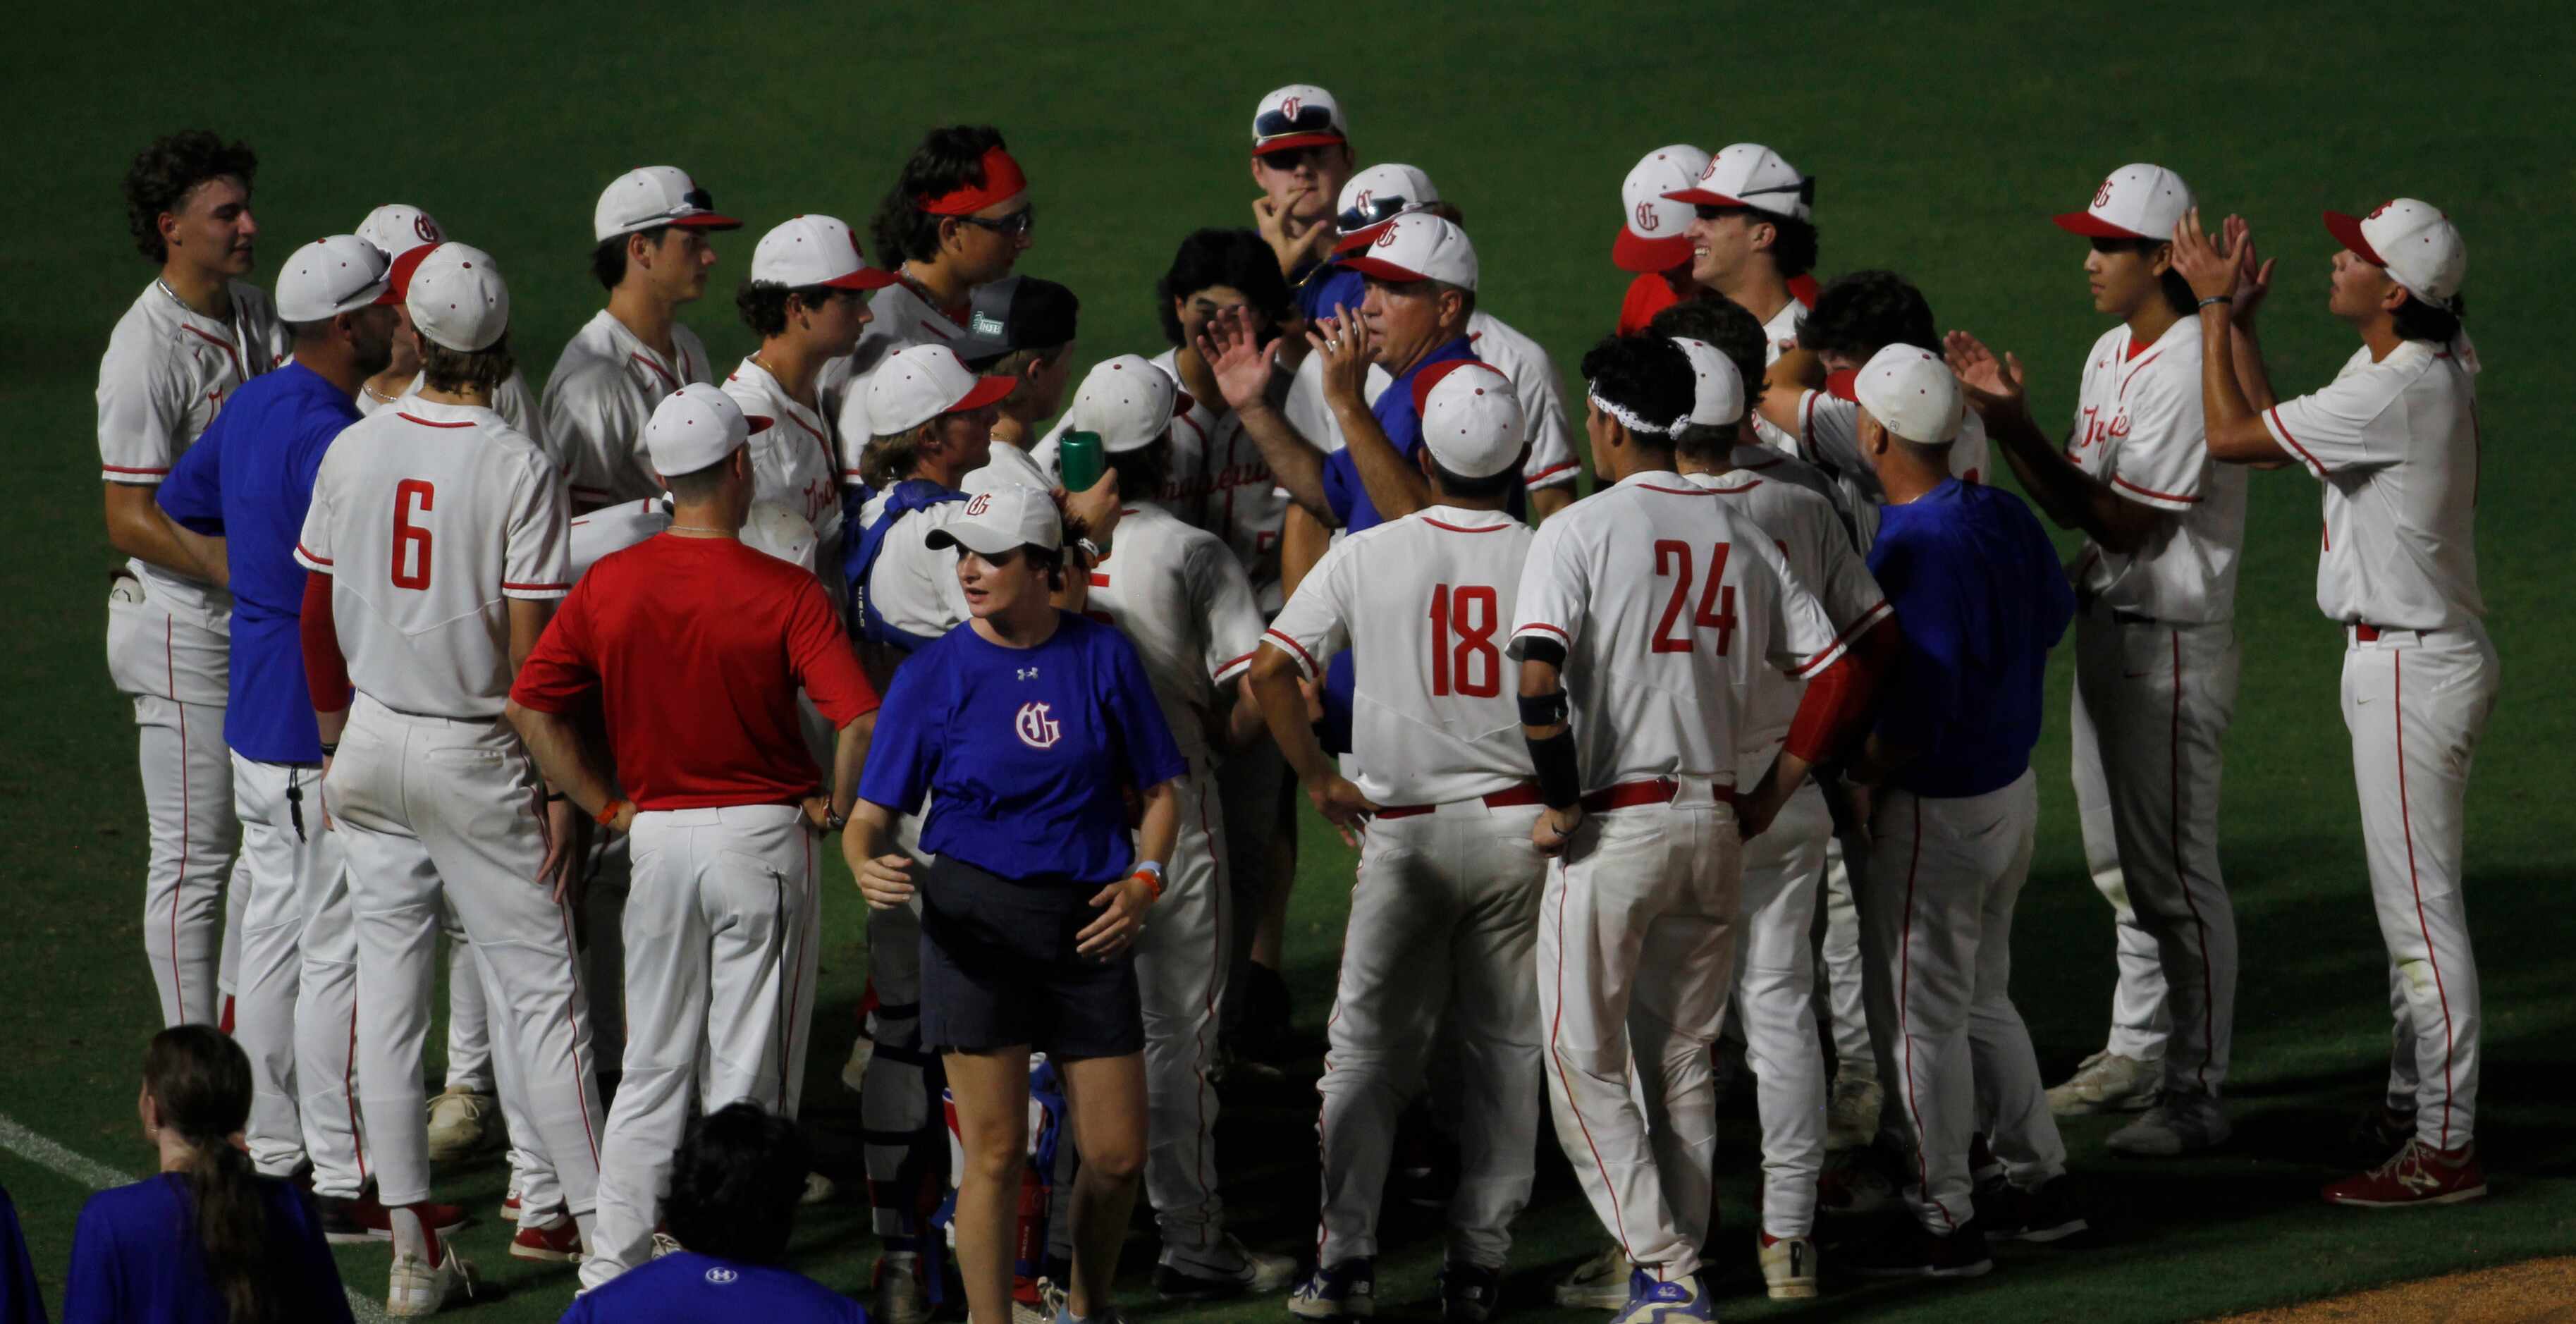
x: 1153, y: 881
x: 608, y: 812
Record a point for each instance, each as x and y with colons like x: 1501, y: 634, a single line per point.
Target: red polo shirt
x: 696, y: 647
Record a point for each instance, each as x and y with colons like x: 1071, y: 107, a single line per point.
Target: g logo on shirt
x: 1036, y: 729
x: 721, y: 1277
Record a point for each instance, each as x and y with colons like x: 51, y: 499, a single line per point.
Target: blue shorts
x: 999, y: 969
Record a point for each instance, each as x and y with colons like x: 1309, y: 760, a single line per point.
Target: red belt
x: 1523, y: 794
x: 2368, y: 633
x: 1654, y: 791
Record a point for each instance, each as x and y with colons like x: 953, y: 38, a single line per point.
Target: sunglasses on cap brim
x: 1309, y: 118
x: 1376, y: 210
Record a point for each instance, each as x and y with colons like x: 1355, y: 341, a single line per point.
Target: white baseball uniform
x: 1775, y: 974
x: 2155, y: 686
x: 165, y: 373
x: 1828, y: 437
x: 2396, y: 444
x: 794, y: 460
x: 1779, y: 336
x: 430, y: 519
x: 897, y: 316
x: 514, y: 402
x: 1010, y: 466
x: 1177, y: 594
x: 1444, y: 915
x: 1665, y: 603
x: 294, y: 1005
x: 1551, y: 461
x: 598, y: 399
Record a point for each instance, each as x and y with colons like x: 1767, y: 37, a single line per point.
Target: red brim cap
x: 986, y: 391
x: 1633, y: 252
x: 1429, y: 377
x: 1382, y: 269
x: 2094, y: 227
x: 2347, y: 232
x: 1182, y: 403
x: 1362, y: 237
x: 865, y: 278
x: 1700, y: 197
x: 398, y: 276
x: 1291, y: 141
x: 1840, y: 385
x: 706, y: 220
x: 759, y: 423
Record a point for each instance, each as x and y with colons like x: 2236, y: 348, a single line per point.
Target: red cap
x: 1634, y: 252
x: 2347, y: 232
x: 398, y: 277
x: 1841, y: 385
x: 1003, y: 181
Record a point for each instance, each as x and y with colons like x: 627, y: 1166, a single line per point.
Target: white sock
x: 589, y: 1225
x: 411, y: 1236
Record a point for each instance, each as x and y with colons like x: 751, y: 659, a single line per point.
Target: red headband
x: 1002, y: 180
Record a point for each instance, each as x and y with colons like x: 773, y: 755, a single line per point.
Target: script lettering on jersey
x: 2096, y: 431
x: 1036, y: 728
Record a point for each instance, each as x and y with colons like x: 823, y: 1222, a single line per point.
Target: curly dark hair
x: 1863, y: 312
x: 1646, y: 375
x: 1725, y: 326
x: 164, y: 173
x: 2418, y: 320
x: 1213, y: 257
x: 735, y: 1183
x: 948, y: 159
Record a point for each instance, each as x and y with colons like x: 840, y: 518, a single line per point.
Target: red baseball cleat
x: 2417, y: 1174
x: 558, y: 1242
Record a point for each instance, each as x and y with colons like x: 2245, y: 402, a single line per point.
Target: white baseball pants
x: 1944, y: 874
x: 469, y: 1027
x: 295, y: 1008
x: 1181, y: 966
x: 1839, y: 968
x: 2152, y: 704
x: 1636, y: 951
x: 721, y: 942
x: 187, y: 803
x: 440, y: 812
x: 2416, y: 706
x: 1775, y: 980
x: 1443, y: 928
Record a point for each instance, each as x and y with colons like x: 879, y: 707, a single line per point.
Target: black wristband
x: 1560, y: 772
x: 2215, y: 298
x: 330, y: 748
x: 554, y: 796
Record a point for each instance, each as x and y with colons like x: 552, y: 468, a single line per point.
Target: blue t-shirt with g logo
x: 684, y: 1287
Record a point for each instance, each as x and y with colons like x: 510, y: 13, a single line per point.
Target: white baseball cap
x: 455, y: 296
x: 816, y: 250
x: 1298, y: 115
x: 2139, y: 201
x: 779, y: 531
x: 1911, y: 393
x: 1128, y: 401
x: 397, y: 228
x: 918, y: 383
x: 694, y: 427
x: 1006, y: 519
x: 651, y: 196
x: 1650, y: 234
x: 1375, y: 196
x: 1717, y: 391
x: 1751, y: 175
x: 2413, y: 241
x: 1419, y: 246
x: 1471, y: 419
x: 331, y: 276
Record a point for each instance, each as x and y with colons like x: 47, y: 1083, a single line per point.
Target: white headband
x: 1635, y: 422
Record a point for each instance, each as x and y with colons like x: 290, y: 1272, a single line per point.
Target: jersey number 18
x: 1467, y: 664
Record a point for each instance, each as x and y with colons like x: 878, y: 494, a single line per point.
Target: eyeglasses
x: 1289, y: 158
x: 1012, y: 226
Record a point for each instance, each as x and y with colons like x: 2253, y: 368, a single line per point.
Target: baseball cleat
x: 1662, y: 1301
x: 349, y: 1221
x: 2107, y: 1083
x: 900, y: 1297
x: 2048, y: 1212
x: 558, y: 1242
x: 1788, y: 1267
x: 1908, y: 1251
x: 665, y: 1244
x: 2417, y: 1174
x: 1337, y: 1291
x: 417, y: 1287
x: 1470, y: 1293
x: 510, y: 1206
x: 819, y: 1189
x: 1599, y: 1283
x: 1851, y: 1114
x: 2181, y: 1122
x: 1854, y: 1183
x: 1261, y: 1274
x: 460, y: 1123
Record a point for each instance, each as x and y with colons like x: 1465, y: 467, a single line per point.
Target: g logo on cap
x: 1387, y: 240
x: 1365, y: 196
x: 1290, y: 106
x: 1646, y: 218
x: 1036, y: 729
x: 2377, y: 211
x: 420, y: 225
x: 2103, y: 194
x: 982, y: 502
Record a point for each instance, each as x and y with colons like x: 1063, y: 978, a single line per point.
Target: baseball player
x: 247, y: 481
x: 2395, y: 440
x: 957, y: 218
x: 1178, y: 595
x: 395, y: 229
x: 2155, y: 674
x: 1775, y: 976
x: 1301, y: 160
x: 1753, y: 236
x: 651, y: 232
x: 1024, y: 329
x: 1445, y: 910
x: 193, y: 335
x: 726, y: 803
x: 1977, y: 590
x: 1654, y: 240
x: 1642, y: 613
x: 437, y: 545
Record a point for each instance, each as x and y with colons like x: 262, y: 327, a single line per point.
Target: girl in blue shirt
x: 1030, y: 727
x: 207, y: 1241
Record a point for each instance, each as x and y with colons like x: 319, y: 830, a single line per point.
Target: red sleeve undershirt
x: 1836, y: 706
x: 326, y: 670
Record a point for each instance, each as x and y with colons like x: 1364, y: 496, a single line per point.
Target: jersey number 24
x: 1716, y: 609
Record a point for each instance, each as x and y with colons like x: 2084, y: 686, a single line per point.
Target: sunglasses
x: 1293, y: 116
x: 1012, y: 226
x: 1371, y: 212
x: 1289, y: 158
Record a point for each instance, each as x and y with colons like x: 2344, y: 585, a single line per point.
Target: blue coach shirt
x: 1982, y: 598
x: 21, y: 1301
x: 135, y: 1257
x: 249, y: 480
x: 1402, y: 424
x: 1328, y: 285
x: 1026, y: 749
x: 684, y: 1287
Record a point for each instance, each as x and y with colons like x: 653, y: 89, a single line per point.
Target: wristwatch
x: 834, y: 821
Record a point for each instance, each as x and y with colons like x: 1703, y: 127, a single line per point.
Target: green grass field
x: 1943, y: 136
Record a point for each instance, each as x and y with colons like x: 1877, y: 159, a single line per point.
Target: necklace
x: 381, y: 397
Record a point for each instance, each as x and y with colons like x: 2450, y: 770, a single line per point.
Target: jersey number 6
x: 1472, y: 614
x: 1716, y: 610
x: 411, y: 541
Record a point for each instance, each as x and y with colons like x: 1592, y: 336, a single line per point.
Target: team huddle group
x: 1724, y: 766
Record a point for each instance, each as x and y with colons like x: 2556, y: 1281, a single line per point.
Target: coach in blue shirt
x: 1978, y: 590
x: 248, y: 482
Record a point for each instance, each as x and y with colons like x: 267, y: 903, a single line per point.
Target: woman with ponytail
x: 206, y: 1240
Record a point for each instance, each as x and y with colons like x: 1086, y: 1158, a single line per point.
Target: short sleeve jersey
x: 1221, y: 484
x: 684, y: 1287
x: 1666, y: 603
x: 2396, y: 444
x: 134, y: 1258
x: 166, y: 373
x: 1551, y: 461
x: 600, y: 396
x: 1178, y: 596
x: 897, y: 316
x: 1026, y: 753
x: 514, y: 402
x: 793, y: 454
x: 1804, y: 525
x: 2138, y: 429
x: 429, y: 519
x: 914, y: 586
x: 1420, y: 605
x: 1828, y: 437
x: 1401, y: 421
x: 1010, y: 467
